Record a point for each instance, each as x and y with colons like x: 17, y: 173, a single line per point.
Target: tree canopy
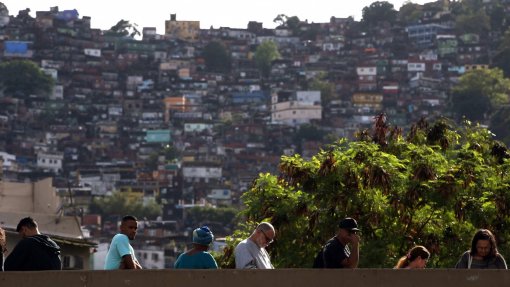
x: 410, y: 13
x: 265, y: 54
x: 124, y: 28
x: 379, y: 11
x: 434, y: 187
x: 479, y: 92
x: 122, y: 203
x: 217, y: 58
x: 24, y: 78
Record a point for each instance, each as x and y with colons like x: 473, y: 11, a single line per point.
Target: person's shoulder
x: 206, y: 254
x: 333, y: 243
x: 120, y: 236
x: 466, y: 253
x: 242, y: 244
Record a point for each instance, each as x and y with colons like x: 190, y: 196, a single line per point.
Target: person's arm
x: 500, y: 262
x: 137, y: 264
x: 17, y: 257
x: 128, y: 262
x: 463, y: 261
x: 243, y: 258
x: 353, y: 259
x: 210, y: 263
x: 124, y: 249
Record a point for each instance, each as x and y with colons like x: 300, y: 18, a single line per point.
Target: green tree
x: 410, y: 13
x: 377, y: 12
x: 499, y: 124
x: 225, y: 216
x: 24, y: 78
x: 434, y: 187
x: 326, y: 87
x: 124, y: 28
x: 292, y: 23
x: 502, y: 57
x: 122, y: 203
x: 479, y: 92
x: 217, y: 58
x: 476, y: 22
x: 309, y: 132
x: 265, y: 54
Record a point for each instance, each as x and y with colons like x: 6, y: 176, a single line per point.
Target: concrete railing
x: 259, y: 278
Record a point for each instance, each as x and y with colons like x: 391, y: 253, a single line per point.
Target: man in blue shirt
x: 121, y: 254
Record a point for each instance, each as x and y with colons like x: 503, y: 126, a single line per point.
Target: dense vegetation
x: 435, y: 187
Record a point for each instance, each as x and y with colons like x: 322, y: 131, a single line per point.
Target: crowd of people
x: 39, y: 252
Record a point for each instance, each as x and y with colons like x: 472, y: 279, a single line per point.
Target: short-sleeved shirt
x: 118, y: 248
x: 200, y: 260
x: 334, y: 253
x: 497, y: 262
x: 250, y: 256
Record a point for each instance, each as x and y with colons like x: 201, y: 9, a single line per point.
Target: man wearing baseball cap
x: 341, y: 251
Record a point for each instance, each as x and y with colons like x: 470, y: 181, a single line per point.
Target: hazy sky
x: 218, y: 13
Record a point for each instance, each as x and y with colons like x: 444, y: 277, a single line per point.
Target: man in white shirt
x: 251, y: 253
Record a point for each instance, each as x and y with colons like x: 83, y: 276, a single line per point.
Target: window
x: 155, y: 257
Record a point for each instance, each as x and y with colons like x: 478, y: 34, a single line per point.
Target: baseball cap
x: 349, y: 224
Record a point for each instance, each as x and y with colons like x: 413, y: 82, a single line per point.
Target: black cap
x: 349, y: 224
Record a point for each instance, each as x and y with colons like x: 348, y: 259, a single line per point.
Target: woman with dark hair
x: 483, y: 254
x: 416, y: 258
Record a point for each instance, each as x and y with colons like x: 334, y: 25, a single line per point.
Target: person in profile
x: 121, y: 254
x: 34, y: 252
x: 416, y: 258
x: 251, y: 252
x: 336, y: 252
x: 483, y: 253
x: 198, y: 257
x: 3, y: 248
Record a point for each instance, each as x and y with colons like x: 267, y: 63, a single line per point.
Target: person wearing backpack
x: 341, y: 251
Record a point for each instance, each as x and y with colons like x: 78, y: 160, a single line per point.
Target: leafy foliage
x: 479, y: 92
x: 123, y: 203
x: 224, y: 216
x: 266, y: 53
x: 377, y: 12
x: 24, y: 78
x: 410, y: 12
x: 217, y: 58
x: 434, y: 187
x: 124, y: 28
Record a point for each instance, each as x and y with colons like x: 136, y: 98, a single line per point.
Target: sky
x: 217, y: 13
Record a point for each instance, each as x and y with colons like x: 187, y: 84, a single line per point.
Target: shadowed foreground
x: 257, y: 278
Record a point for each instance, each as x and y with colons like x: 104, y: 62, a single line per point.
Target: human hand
x: 354, y: 238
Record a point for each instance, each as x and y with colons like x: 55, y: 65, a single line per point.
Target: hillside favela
x: 393, y: 128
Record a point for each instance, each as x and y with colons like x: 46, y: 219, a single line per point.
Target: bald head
x: 265, y: 226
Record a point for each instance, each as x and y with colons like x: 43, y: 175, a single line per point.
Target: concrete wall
x: 39, y: 197
x: 260, y: 278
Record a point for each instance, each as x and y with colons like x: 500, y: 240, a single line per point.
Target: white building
x: 297, y: 108
x: 151, y: 258
x: 50, y: 161
x: 197, y: 173
x: 7, y: 160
